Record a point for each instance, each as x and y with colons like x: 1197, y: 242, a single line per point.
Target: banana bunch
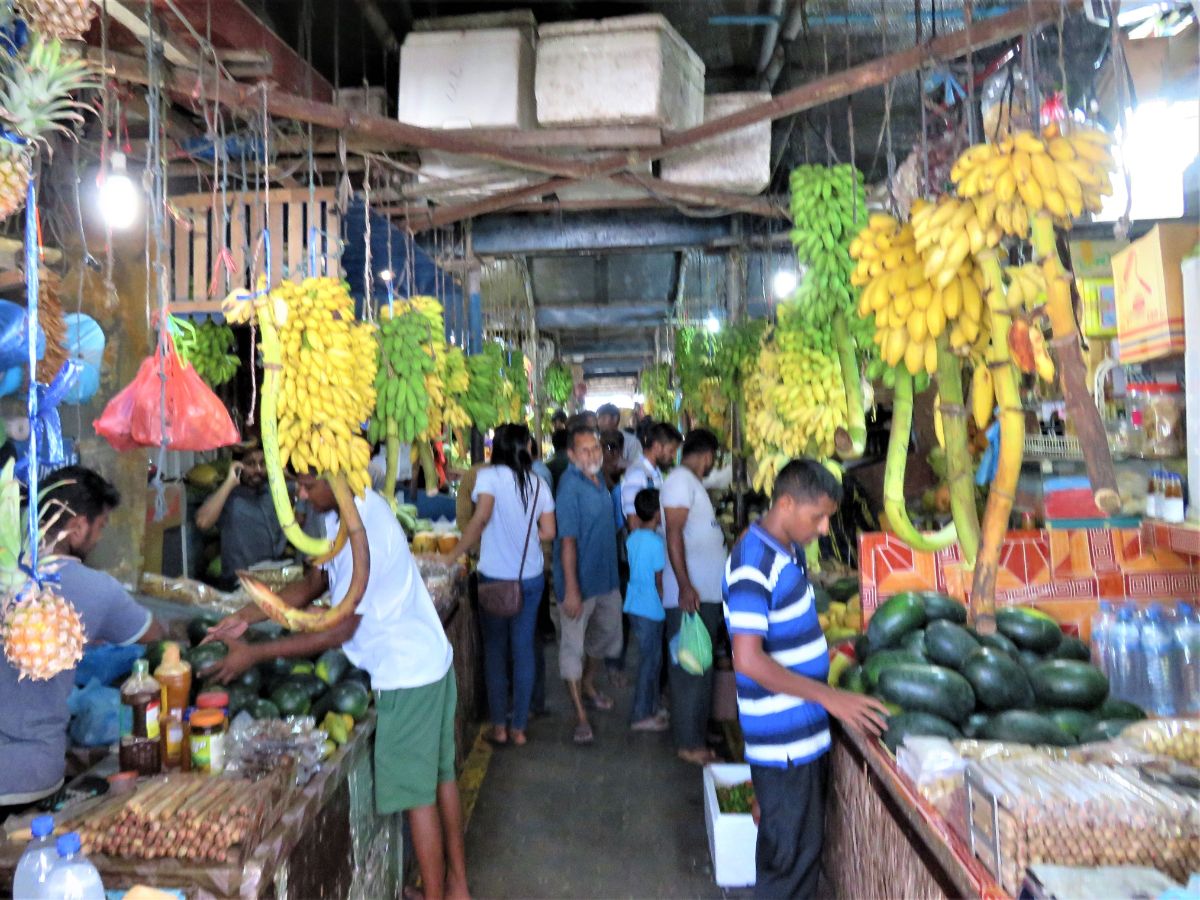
x: 559, y: 383
x: 714, y: 406
x: 515, y: 388
x: 911, y: 313
x: 1026, y: 287
x: 456, y: 381
x: 828, y: 206
x: 483, y: 396
x: 658, y: 397
x: 208, y: 347
x: 1027, y: 345
x: 325, y: 388
x: 1009, y: 181
x: 406, y: 362
x: 947, y: 235
x: 734, y: 347
x: 982, y: 399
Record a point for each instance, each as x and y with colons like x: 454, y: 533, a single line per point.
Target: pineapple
x: 42, y: 632
x: 35, y: 99
x: 66, y: 20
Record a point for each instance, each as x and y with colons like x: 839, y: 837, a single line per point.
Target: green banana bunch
x: 559, y: 383
x: 658, y: 396
x: 484, y: 391
x: 208, y: 347
x: 693, y: 364
x: 733, y: 348
x: 401, y: 398
x: 515, y: 388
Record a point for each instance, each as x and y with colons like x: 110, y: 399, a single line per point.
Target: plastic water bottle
x: 1158, y: 649
x: 1187, y: 656
x: 73, y: 877
x: 33, y: 868
x: 1102, y: 624
x: 1127, y: 672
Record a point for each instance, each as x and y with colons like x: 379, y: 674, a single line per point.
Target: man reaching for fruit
x: 396, y: 636
x: 782, y: 663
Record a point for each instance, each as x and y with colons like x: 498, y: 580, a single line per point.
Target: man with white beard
x: 585, y: 576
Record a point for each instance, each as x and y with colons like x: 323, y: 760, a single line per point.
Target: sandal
x: 497, y: 737
x: 583, y: 734
x: 600, y: 701
x: 700, y: 757
x: 518, y: 738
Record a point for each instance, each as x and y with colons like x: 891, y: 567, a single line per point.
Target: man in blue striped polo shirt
x: 782, y: 663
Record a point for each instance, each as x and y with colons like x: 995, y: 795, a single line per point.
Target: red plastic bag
x: 195, y: 417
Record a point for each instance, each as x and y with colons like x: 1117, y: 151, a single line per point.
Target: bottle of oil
x: 174, y: 675
x: 141, y: 704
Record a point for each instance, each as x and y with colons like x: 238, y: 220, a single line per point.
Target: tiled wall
x: 1064, y: 572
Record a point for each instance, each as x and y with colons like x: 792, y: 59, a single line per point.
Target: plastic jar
x: 211, y: 699
x: 207, y: 741
x: 1157, y: 411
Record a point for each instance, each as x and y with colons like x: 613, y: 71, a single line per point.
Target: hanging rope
x: 32, y: 253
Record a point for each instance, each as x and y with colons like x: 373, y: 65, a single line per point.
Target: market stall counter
x: 320, y: 838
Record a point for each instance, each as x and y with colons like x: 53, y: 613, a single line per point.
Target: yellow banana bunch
x: 325, y: 389
x: 714, y: 406
x: 911, y: 313
x: 1026, y: 287
x: 455, y: 382
x: 983, y: 394
x: 947, y: 234
x: 1063, y: 174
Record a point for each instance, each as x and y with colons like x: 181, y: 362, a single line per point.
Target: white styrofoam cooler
x: 739, y: 161
x: 732, y: 837
x: 628, y: 70
x: 468, y: 78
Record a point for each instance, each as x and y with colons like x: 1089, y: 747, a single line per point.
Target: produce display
x: 67, y: 20
x: 514, y: 388
x: 558, y: 383
x: 736, y: 799
x: 658, y: 395
x: 483, y: 399
x: 208, y: 348
x: 1024, y: 684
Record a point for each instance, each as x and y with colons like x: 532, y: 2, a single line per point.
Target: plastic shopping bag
x: 114, y: 423
x: 95, y: 715
x: 695, y: 646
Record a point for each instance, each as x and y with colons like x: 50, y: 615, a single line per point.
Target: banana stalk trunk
x: 1072, y: 372
x: 893, y: 476
x: 1012, y: 445
x: 272, y: 372
x: 851, y: 441
x: 393, y: 469
x: 322, y: 620
x: 958, y: 452
x: 428, y: 466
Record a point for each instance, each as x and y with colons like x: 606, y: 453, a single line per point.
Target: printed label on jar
x: 152, y: 728
x: 208, y: 753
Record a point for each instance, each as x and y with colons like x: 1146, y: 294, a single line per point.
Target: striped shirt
x: 766, y: 593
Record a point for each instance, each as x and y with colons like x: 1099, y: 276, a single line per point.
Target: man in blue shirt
x: 585, y: 575
x: 782, y: 663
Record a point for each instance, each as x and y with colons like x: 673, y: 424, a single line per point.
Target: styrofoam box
x: 604, y: 188
x: 468, y: 78
x: 451, y: 177
x: 732, y: 837
x: 629, y: 70
x: 370, y: 100
x: 739, y: 161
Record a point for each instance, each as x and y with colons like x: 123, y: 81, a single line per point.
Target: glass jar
x: 207, y: 740
x: 1157, y: 411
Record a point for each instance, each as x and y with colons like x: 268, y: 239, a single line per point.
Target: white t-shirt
x: 503, y: 536
x: 640, y: 475
x: 400, y: 640
x: 703, y: 540
x: 631, y: 450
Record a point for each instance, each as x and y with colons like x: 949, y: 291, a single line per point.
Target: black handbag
x: 503, y: 598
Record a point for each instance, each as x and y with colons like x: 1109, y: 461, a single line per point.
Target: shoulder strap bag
x: 503, y: 598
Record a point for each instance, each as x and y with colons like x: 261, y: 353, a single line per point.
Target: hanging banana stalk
x: 1081, y: 409
x: 958, y: 454
x: 1003, y: 489
x: 393, y: 469
x: 850, y: 442
x: 893, y: 476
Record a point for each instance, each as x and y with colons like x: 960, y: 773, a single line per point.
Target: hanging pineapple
x: 42, y: 632
x: 66, y: 20
x: 35, y: 100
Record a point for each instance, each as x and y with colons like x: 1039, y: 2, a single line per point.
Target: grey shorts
x: 597, y: 633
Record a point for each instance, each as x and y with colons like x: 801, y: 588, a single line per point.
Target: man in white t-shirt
x: 692, y: 584
x: 395, y: 634
x: 662, y: 442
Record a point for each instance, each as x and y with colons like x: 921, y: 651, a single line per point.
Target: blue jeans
x: 505, y: 638
x: 648, y: 634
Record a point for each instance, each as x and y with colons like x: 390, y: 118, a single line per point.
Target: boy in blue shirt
x: 782, y: 663
x: 643, y: 603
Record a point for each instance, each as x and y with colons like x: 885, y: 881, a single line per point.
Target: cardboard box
x: 1149, y: 286
x: 732, y: 837
x: 1159, y: 67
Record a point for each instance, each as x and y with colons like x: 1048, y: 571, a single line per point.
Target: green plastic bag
x: 695, y: 646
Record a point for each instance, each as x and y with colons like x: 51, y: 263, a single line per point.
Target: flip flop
x: 600, y: 702
x: 583, y: 734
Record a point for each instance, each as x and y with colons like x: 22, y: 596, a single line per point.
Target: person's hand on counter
x: 241, y: 656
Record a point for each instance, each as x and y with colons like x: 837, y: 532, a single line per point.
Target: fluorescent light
x: 784, y: 283
x: 119, y: 199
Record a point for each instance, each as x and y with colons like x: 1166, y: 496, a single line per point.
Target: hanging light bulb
x: 783, y: 284
x: 712, y: 325
x: 386, y: 275
x: 119, y: 199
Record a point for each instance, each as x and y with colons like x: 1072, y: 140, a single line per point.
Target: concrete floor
x: 620, y: 818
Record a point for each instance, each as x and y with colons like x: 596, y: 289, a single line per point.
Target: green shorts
x: 414, y: 744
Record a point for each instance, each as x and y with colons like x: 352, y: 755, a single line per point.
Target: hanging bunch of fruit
x: 35, y: 101
x: 515, y: 388
x: 483, y: 397
x: 42, y: 632
x: 456, y: 381
x: 208, y: 348
x: 658, y: 396
x: 318, y: 372
x: 559, y: 384
x: 66, y: 20
x: 699, y: 394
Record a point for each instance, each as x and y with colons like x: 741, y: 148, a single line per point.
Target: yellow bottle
x: 174, y: 676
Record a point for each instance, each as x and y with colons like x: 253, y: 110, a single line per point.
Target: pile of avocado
x: 280, y: 687
x: 1025, y: 683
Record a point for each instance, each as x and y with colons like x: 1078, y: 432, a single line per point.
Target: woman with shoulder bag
x: 514, y: 512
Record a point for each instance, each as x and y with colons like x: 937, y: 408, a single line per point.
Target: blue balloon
x: 14, y: 334
x: 85, y: 342
x: 11, y: 380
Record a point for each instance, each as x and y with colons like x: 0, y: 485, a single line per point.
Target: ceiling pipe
x: 787, y: 34
x: 378, y: 23
x: 770, y: 36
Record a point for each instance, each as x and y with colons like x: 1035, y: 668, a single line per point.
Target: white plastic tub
x: 739, y: 161
x: 469, y: 77
x: 629, y: 70
x: 732, y: 837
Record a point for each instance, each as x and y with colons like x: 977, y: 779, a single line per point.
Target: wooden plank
x: 254, y: 252
x: 295, y: 236
x: 333, y: 243
x: 183, y: 257
x: 216, y: 243
x: 237, y: 241
x: 276, y: 227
